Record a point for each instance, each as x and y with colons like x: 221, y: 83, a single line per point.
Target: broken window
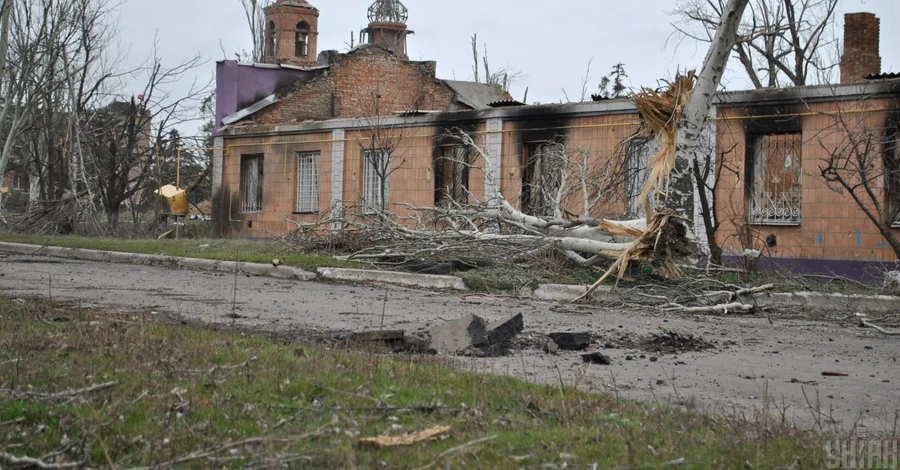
x: 775, y: 188
x: 637, y: 156
x: 301, y: 40
x: 451, y: 176
x: 542, y: 170
x: 251, y: 183
x: 308, y: 182
x: 375, y: 172
x: 892, y: 175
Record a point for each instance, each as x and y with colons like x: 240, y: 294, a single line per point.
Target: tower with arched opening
x: 291, y: 35
x: 387, y: 26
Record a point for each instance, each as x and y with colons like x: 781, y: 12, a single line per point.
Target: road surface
x: 755, y: 365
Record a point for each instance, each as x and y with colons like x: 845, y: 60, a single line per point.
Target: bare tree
x: 502, y: 77
x: 781, y: 43
x: 866, y: 166
x: 254, y: 11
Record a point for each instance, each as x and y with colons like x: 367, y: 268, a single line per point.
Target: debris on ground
x: 596, y: 358
x: 471, y: 336
x: 571, y: 341
x: 407, y: 439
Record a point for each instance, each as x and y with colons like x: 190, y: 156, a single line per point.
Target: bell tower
x: 291, y: 34
x: 387, y: 26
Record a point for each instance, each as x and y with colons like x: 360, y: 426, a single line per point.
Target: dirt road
x: 751, y: 361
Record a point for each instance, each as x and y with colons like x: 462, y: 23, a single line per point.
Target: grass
x: 218, y: 249
x: 191, y: 397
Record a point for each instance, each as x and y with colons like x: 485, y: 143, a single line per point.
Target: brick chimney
x: 862, y: 34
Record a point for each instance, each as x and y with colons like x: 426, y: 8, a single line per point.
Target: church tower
x: 387, y: 26
x: 292, y: 31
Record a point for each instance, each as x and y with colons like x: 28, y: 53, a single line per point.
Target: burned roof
x: 882, y: 76
x: 477, y: 95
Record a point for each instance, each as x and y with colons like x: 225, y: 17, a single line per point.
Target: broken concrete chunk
x: 505, y: 330
x: 458, y: 336
x: 551, y: 347
x: 597, y: 358
x: 571, y: 341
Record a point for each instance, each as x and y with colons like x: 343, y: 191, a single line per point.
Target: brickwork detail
x: 356, y: 82
x: 292, y: 31
x: 862, y: 33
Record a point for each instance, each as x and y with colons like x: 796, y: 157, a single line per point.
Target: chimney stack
x: 862, y: 34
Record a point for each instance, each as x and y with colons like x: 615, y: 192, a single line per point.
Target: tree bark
x: 696, y: 111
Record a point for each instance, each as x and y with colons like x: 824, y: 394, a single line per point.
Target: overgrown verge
x: 85, y: 388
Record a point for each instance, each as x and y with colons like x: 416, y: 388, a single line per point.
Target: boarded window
x: 308, y: 182
x: 301, y: 40
x: 775, y: 189
x: 542, y: 170
x: 375, y: 172
x: 451, y: 176
x: 251, y: 183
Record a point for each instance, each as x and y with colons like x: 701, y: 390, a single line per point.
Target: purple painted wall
x: 866, y: 271
x: 240, y: 85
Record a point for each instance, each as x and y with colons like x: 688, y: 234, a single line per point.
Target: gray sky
x: 551, y: 42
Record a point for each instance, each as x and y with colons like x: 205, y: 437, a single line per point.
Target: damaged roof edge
x: 250, y: 110
x: 809, y: 94
x: 449, y: 118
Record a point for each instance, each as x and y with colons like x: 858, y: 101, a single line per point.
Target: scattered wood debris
x: 407, y: 439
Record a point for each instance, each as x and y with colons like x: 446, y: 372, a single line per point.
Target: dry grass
x: 177, y: 395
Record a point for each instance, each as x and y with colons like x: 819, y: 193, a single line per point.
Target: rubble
x: 459, y: 336
x: 571, y: 341
x: 596, y: 358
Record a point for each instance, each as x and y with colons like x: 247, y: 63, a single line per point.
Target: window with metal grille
x: 375, y: 172
x: 451, y: 176
x: 251, y: 183
x: 308, y: 182
x: 776, y: 191
x: 892, y: 175
x: 542, y: 170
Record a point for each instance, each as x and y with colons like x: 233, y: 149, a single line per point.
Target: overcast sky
x: 550, y: 42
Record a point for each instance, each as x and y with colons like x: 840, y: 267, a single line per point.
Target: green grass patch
x: 247, y: 251
x: 190, y: 397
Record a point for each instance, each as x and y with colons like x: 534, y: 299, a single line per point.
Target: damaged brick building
x: 299, y: 134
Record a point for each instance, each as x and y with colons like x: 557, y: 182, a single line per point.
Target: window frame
x: 310, y: 195
x: 638, y: 152
x: 532, y: 150
x: 756, y: 175
x: 452, y: 175
x: 371, y: 176
x: 259, y: 205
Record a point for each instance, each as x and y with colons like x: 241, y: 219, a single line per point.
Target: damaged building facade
x: 307, y: 135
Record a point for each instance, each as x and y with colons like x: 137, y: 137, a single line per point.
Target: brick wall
x: 833, y: 227
x: 286, y: 18
x: 862, y: 33
x: 355, y: 83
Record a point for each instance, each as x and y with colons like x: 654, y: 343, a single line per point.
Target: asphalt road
x: 755, y: 368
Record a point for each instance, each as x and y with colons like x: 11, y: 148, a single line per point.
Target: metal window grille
x: 308, y: 182
x: 251, y: 183
x: 892, y: 173
x: 452, y: 176
x: 542, y: 177
x: 375, y: 163
x: 777, y: 192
